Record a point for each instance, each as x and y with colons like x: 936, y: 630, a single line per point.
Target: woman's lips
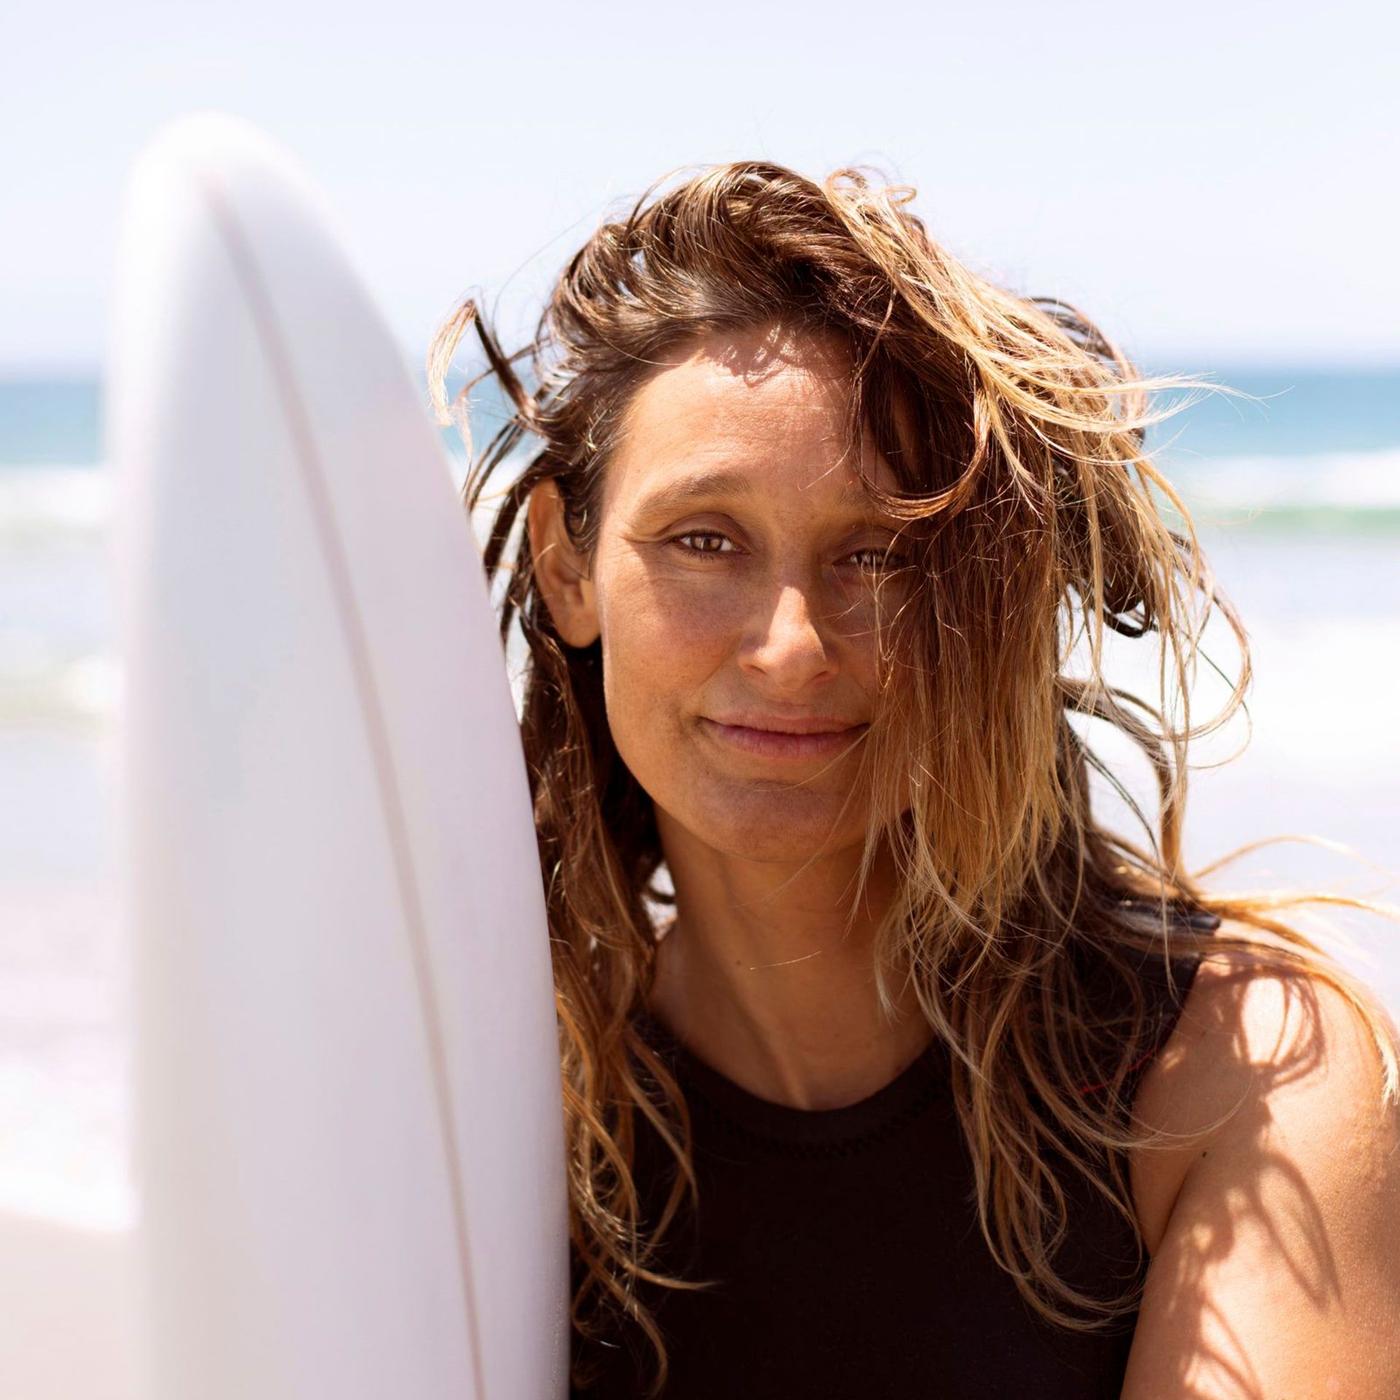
x: 781, y: 743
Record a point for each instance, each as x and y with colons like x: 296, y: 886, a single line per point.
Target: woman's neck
x: 761, y: 978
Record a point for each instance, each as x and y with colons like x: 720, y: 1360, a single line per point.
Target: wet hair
x: 1034, y: 522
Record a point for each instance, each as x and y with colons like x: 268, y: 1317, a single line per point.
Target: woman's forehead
x: 735, y: 383
x: 738, y: 415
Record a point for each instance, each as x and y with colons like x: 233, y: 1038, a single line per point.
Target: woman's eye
x: 878, y: 560
x: 701, y: 542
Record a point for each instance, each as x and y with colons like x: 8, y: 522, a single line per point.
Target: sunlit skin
x: 732, y: 586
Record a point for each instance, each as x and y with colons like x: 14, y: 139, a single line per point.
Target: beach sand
x: 68, y: 1312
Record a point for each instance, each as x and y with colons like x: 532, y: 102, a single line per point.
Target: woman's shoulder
x: 1250, y: 1010
x: 1277, y: 1242
x: 1253, y: 1032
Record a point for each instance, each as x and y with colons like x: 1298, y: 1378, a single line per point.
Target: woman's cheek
x: 667, y: 618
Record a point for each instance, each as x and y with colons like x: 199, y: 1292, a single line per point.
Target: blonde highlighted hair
x: 1017, y: 434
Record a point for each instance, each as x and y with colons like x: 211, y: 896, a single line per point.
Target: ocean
x: 1297, y: 496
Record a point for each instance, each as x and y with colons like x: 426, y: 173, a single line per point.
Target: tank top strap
x: 1166, y: 976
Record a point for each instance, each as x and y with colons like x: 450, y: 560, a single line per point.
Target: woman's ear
x: 560, y: 571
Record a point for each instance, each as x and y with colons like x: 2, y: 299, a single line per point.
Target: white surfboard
x: 348, y: 1138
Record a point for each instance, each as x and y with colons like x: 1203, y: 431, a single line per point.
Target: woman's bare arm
x: 1278, y: 1273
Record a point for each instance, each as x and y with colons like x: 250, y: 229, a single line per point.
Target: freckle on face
x: 772, y: 627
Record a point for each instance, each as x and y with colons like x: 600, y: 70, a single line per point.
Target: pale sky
x: 1214, y: 182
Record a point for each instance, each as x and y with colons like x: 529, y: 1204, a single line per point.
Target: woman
x: 813, y: 561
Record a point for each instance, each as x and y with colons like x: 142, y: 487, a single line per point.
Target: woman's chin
x: 787, y: 827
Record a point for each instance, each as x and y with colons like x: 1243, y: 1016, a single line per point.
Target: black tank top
x: 849, y: 1254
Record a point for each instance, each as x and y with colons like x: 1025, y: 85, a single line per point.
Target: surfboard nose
x: 349, y: 1141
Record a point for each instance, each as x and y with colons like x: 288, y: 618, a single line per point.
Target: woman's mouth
x: 784, y: 738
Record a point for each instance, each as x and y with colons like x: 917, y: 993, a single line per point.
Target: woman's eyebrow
x: 729, y: 481
x: 716, y: 481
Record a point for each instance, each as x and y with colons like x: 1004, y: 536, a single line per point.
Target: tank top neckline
x: 732, y: 1108
x: 729, y: 1109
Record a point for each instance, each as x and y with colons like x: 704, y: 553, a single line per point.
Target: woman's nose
x: 786, y: 644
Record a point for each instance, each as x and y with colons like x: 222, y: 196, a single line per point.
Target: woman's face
x: 733, y: 587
